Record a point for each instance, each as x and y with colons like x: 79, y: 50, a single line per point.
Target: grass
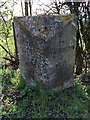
x: 20, y: 101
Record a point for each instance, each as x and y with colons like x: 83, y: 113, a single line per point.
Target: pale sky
x: 18, y: 10
x: 35, y: 5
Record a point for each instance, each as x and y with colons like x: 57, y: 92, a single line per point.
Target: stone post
x: 46, y: 48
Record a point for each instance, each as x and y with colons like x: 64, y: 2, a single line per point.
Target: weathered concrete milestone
x: 46, y: 46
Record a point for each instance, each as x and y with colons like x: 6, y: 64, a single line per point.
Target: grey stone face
x: 46, y: 46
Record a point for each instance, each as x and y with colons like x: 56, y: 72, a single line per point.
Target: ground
x: 20, y: 101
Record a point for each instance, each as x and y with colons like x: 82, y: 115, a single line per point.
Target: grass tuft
x: 20, y: 101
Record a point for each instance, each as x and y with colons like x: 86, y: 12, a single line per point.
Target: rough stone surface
x: 46, y: 46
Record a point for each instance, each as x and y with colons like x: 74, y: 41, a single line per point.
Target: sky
x: 35, y: 5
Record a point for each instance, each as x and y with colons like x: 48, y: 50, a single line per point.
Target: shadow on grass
x: 25, y: 102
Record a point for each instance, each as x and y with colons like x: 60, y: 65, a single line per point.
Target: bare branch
x: 7, y: 59
x: 22, y: 8
x: 3, y: 4
x: 7, y: 32
x: 7, y: 51
x: 30, y: 7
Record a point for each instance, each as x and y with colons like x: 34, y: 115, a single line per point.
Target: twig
x: 7, y: 32
x: 30, y: 7
x: 22, y: 8
x: 7, y: 51
x: 3, y: 4
x: 8, y: 59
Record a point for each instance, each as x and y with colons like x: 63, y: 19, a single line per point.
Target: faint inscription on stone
x: 46, y: 47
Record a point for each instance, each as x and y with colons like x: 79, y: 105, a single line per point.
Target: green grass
x: 20, y: 101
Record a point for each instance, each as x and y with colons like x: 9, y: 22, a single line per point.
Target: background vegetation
x: 21, y: 101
